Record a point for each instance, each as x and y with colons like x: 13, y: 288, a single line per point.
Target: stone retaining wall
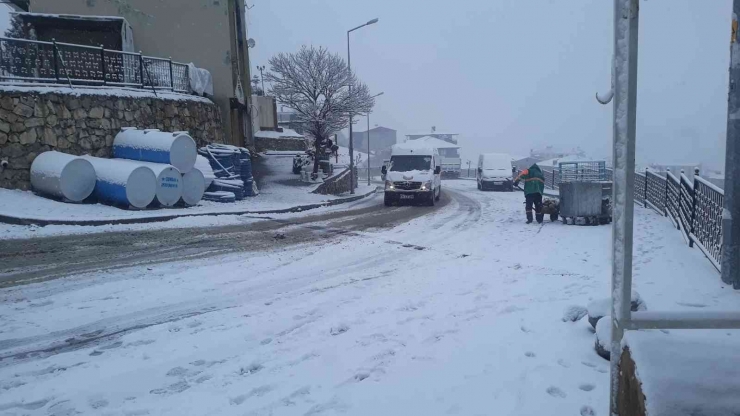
x: 336, y: 185
x: 85, y: 121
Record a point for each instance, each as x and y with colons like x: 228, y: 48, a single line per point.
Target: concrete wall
x: 195, y: 31
x: 37, y: 120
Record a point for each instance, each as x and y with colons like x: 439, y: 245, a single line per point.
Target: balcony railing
x: 31, y: 61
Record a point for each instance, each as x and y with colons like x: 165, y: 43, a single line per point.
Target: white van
x: 495, y: 172
x: 413, y: 174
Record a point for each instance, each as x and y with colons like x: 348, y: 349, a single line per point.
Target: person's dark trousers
x: 534, y: 201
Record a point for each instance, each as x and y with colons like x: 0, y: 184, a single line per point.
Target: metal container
x: 177, y: 149
x: 123, y: 182
x: 193, y: 187
x: 580, y: 199
x: 63, y: 176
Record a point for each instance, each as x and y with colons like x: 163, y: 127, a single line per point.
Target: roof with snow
x: 427, y: 133
x: 285, y: 134
x: 70, y: 17
x: 406, y: 149
x: 429, y: 141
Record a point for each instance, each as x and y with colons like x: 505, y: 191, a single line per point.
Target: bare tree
x: 316, y: 85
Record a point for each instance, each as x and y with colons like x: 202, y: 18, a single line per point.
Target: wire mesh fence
x: 30, y: 61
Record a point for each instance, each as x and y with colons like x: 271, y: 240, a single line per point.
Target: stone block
x: 28, y: 137
x: 49, y: 137
x: 79, y: 114
x: 23, y: 110
x: 96, y: 112
x: 34, y: 122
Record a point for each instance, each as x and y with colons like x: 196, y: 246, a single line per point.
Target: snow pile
x: 604, y: 337
x: 597, y: 309
x: 602, y: 307
x: 684, y: 375
x: 574, y: 313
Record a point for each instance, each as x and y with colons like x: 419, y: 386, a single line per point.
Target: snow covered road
x: 457, y: 311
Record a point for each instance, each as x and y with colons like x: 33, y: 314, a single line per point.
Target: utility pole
x: 352, y: 177
x: 731, y: 205
x: 368, y: 148
x: 626, y: 24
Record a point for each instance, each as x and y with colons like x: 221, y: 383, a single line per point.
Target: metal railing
x: 693, y: 205
x: 31, y: 61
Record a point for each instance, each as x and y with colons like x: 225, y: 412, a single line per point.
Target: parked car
x: 413, y: 175
x: 495, y: 172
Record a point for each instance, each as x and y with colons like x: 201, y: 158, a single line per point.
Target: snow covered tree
x: 321, y: 90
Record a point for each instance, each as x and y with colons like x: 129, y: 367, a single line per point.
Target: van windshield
x: 408, y: 162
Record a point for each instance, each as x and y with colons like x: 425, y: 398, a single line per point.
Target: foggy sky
x: 509, y: 75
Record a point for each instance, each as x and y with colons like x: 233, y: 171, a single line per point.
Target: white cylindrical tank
x: 204, y: 166
x: 63, y: 176
x: 123, y: 182
x: 193, y: 187
x: 177, y: 149
x: 169, y: 182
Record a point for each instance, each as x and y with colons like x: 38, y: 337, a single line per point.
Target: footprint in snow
x: 563, y: 363
x: 586, y: 387
x: 588, y: 364
x: 556, y: 392
x: 530, y: 354
x: 339, y: 329
x: 587, y: 411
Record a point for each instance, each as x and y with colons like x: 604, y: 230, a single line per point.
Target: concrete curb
x: 9, y: 219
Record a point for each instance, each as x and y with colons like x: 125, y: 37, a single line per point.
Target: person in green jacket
x: 534, y: 186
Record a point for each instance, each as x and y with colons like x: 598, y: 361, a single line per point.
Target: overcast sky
x: 509, y: 75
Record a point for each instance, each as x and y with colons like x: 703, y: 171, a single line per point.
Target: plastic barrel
x: 193, y: 187
x: 177, y: 149
x: 123, y: 182
x: 63, y: 176
x: 169, y: 182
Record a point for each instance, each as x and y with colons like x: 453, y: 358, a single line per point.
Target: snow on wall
x: 683, y: 374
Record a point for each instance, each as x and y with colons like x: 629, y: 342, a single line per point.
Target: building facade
x: 210, y: 34
x: 380, y: 138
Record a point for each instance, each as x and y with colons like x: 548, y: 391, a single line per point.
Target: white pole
x: 626, y: 19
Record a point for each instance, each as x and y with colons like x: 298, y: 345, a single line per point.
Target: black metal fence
x: 693, y: 205
x: 33, y: 61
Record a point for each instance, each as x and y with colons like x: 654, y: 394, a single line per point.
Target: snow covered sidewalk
x: 456, y: 312
x: 280, y: 192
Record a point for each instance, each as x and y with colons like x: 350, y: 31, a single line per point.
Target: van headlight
x: 389, y: 185
x: 426, y: 186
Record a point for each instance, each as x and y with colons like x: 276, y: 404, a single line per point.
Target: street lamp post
x: 368, y: 141
x: 468, y: 168
x: 262, y: 68
x: 351, y: 140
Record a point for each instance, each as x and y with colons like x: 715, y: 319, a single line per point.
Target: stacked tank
x: 150, y: 168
